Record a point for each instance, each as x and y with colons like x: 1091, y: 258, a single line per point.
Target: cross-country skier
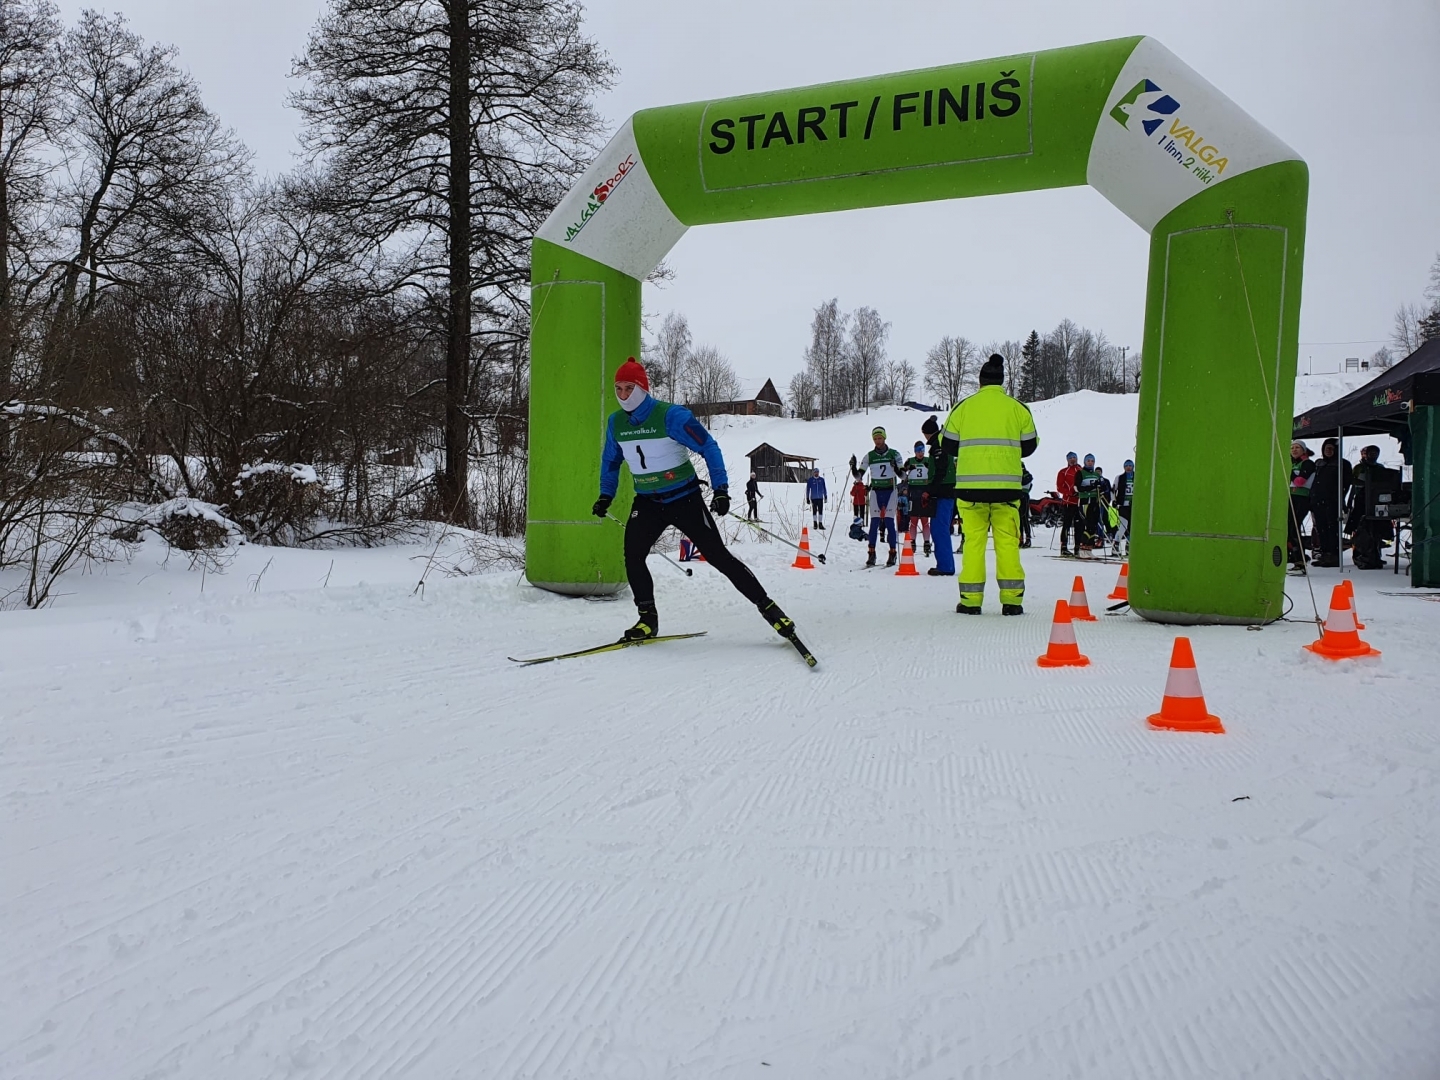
x: 1087, y: 487
x: 1125, y: 500
x: 917, y: 478
x: 651, y: 438
x: 815, y: 492
x: 883, y: 464
x: 752, y: 495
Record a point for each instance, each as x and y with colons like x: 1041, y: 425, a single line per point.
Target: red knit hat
x: 632, y: 371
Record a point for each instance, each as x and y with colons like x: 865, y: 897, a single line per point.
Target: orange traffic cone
x: 802, y: 561
x: 1183, y: 706
x: 1350, y: 592
x: 1122, y: 587
x: 1079, y: 605
x: 1340, y: 640
x: 907, y: 561
x: 1063, y: 651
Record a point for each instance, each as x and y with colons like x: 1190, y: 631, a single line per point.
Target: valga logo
x: 1388, y: 396
x: 1189, y: 149
x: 1161, y: 106
x: 602, y: 191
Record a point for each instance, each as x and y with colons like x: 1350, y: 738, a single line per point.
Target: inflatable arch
x: 1222, y: 198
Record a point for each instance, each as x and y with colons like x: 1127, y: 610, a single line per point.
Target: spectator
x: 1065, y: 485
x: 1302, y: 475
x: 1327, y: 495
x: 815, y: 492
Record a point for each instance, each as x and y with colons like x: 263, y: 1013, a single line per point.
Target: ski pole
x: 833, y: 523
x: 683, y: 569
x: 776, y: 536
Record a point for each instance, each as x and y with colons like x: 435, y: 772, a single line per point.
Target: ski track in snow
x: 336, y: 835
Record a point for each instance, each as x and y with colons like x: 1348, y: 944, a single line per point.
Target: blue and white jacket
x: 682, y: 427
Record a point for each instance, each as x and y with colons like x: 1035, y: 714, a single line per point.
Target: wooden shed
x: 776, y: 466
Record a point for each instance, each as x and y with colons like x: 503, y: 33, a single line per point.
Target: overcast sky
x: 1354, y: 87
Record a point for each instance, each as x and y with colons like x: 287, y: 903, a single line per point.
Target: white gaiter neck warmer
x: 634, y: 401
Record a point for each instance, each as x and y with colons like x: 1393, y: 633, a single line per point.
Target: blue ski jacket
x: 815, y: 488
x: 680, y: 425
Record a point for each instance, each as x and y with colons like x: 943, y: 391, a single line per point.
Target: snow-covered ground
x: 324, y: 829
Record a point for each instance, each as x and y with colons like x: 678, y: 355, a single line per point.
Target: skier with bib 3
x: 651, y: 438
x: 986, y: 435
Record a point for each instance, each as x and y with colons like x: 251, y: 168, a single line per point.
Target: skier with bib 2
x: 884, y: 466
x: 986, y: 435
x: 651, y: 438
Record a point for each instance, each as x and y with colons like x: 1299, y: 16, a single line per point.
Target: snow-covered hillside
x: 310, y: 823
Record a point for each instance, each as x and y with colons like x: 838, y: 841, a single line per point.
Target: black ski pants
x: 649, y: 518
x: 1324, y: 518
x: 1069, y: 522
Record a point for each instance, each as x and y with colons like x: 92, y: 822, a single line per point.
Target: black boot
x: 648, y: 625
x: 892, y: 559
x: 1011, y: 609
x: 778, y: 620
x: 961, y: 609
x: 870, y: 561
x: 927, y: 548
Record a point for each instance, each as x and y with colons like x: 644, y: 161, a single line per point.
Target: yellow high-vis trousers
x: 977, y: 520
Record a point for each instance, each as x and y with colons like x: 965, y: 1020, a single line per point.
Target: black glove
x: 602, y: 505
x: 931, y: 426
x: 853, y: 464
x: 720, y: 502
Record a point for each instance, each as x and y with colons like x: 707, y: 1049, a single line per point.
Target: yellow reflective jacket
x: 988, y: 433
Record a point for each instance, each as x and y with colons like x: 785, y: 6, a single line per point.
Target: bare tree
x: 29, y: 69
x: 450, y: 130
x: 825, y: 358
x: 710, y: 379
x: 670, y: 354
x: 899, y: 382
x: 1405, y: 333
x: 143, y: 153
x: 803, y: 395
x: 866, y: 352
x: 951, y: 370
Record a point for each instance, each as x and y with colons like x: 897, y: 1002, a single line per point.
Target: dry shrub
x: 276, y: 504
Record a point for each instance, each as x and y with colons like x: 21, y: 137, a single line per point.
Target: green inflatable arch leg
x: 1223, y: 199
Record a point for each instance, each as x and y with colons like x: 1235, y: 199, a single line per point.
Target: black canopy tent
x: 1380, y: 407
x: 1404, y: 402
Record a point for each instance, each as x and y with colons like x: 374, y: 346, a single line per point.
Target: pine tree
x: 448, y: 130
x: 1029, y: 367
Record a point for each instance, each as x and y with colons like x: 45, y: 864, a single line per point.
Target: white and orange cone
x: 907, y: 561
x: 802, y: 560
x: 1122, y: 586
x: 1350, y: 592
x: 1340, y: 640
x: 1079, y: 605
x: 1063, y: 650
x: 1183, y: 706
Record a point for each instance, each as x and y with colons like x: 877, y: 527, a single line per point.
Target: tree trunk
x: 455, y: 487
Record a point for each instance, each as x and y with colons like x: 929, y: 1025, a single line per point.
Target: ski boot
x: 870, y: 561
x: 961, y: 609
x: 935, y: 571
x: 893, y: 559
x: 647, y: 627
x: 1011, y: 609
x: 781, y: 623
x: 927, y: 549
x: 820, y: 526
x: 1066, y: 553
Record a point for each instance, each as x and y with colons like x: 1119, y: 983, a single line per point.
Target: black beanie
x: 993, y: 371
